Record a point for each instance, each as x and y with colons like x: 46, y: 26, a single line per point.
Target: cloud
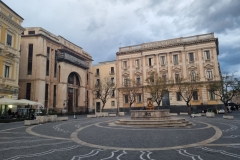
x: 101, y: 27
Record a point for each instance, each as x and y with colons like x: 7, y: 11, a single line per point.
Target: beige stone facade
x: 179, y: 57
x: 10, y: 38
x: 100, y: 71
x: 55, y: 72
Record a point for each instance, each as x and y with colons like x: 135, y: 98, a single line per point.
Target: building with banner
x: 10, y: 39
x: 55, y: 72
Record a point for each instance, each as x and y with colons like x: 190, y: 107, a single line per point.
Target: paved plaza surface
x: 97, y: 139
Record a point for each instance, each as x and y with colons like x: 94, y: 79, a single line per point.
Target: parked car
x: 221, y: 111
x: 232, y: 106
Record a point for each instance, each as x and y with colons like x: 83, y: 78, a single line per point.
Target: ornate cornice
x: 168, y: 46
x: 10, y: 22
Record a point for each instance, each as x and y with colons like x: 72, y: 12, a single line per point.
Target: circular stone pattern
x: 126, y: 138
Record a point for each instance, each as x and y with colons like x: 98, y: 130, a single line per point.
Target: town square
x: 119, y: 79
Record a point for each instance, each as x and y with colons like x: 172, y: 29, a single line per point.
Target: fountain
x: 153, y: 118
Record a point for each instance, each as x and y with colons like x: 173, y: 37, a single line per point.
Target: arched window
x: 73, y: 79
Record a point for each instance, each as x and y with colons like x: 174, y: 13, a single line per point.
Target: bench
x: 30, y: 122
x: 91, y: 116
x: 173, y: 114
x: 62, y: 118
x: 184, y: 113
x: 228, y: 117
x: 121, y: 113
x: 112, y: 115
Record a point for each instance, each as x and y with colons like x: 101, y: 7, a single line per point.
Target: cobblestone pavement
x: 94, y: 139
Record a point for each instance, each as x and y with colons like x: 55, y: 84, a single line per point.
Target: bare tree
x: 226, y: 88
x: 188, y: 88
x: 157, y: 87
x: 104, y: 89
x: 131, y: 88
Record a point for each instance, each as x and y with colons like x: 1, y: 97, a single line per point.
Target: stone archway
x: 73, y: 91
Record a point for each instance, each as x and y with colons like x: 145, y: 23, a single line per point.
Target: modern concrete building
x: 10, y: 39
x: 55, y: 72
x: 101, y: 71
x: 171, y: 59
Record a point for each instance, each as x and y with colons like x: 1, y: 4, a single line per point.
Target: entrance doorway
x: 166, y: 100
x: 98, y: 106
x: 72, y: 92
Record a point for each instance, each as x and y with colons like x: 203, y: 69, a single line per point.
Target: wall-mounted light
x: 10, y: 106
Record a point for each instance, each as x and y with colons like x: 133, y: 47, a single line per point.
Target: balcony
x: 111, y: 73
x: 96, y: 74
x: 9, y: 51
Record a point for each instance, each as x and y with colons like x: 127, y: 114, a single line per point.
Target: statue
x: 150, y: 105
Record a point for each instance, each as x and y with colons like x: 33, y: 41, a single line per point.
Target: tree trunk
x: 103, y: 106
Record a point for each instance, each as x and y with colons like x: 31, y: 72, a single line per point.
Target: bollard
x: 74, y: 116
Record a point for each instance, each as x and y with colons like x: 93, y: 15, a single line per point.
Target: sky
x: 100, y: 27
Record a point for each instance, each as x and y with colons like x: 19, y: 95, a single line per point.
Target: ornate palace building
x: 55, y: 72
x: 10, y: 39
x: 171, y: 59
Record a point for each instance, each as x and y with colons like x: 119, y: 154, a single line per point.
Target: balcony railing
x: 111, y: 73
x: 96, y: 74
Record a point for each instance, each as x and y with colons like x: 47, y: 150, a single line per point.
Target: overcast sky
x: 100, y: 27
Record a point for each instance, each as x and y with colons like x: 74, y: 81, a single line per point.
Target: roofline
x: 11, y: 9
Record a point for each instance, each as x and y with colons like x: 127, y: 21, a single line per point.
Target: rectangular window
x: 98, y: 82
x: 209, y: 74
x: 139, y: 98
x: 211, y: 95
x: 46, y: 92
x: 125, y: 81
x: 175, y: 59
x: 54, y: 95
x: 207, y: 55
x: 98, y: 94
x: 162, y: 60
x: 113, y: 93
x: 191, y: 57
x: 150, y: 62
x: 97, y: 72
x: 55, y: 65
x: 31, y: 32
x: 164, y: 77
x: 47, y: 61
x: 126, y: 98
x: 6, y: 71
x: 179, y: 98
x: 138, y: 80
x: 112, y: 70
x: 195, y: 95
x: 177, y: 77
x: 125, y: 64
x: 112, y: 81
x: 112, y: 103
x: 9, y: 40
x: 30, y: 57
x: 28, y: 91
x: 137, y: 63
